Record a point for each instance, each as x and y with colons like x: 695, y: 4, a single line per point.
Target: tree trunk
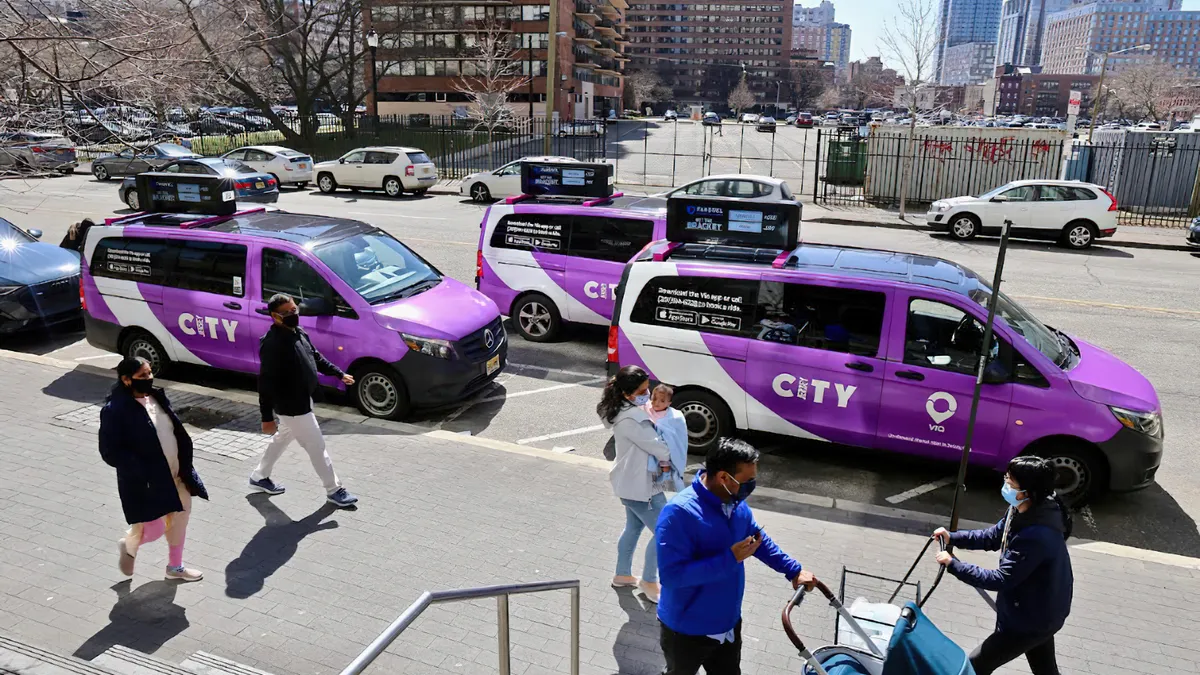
x: 907, y: 161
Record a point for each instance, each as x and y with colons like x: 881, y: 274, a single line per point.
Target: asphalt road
x: 1140, y: 304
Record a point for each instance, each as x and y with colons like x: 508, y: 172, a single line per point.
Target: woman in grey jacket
x: 620, y: 408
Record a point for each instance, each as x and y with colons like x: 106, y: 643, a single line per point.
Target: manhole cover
x: 205, y: 418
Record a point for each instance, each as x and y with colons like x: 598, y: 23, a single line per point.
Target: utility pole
x: 551, y: 74
x: 529, y: 59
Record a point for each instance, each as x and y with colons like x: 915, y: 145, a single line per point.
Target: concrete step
x: 24, y: 659
x: 203, y: 663
x: 126, y: 661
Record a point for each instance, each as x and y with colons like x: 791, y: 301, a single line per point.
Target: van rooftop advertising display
x: 581, y: 180
x: 727, y: 221
x: 186, y: 193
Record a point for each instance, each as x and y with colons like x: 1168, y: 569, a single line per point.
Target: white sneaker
x: 183, y: 574
x: 624, y: 582
x: 649, y: 589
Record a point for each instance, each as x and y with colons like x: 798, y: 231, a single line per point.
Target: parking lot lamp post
x: 373, y: 45
x: 1098, y: 100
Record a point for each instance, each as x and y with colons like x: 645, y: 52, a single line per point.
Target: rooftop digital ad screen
x: 186, y: 193
x: 733, y: 222
x: 581, y: 180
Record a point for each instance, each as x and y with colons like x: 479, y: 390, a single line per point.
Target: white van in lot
x: 393, y: 169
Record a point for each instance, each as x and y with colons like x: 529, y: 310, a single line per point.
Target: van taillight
x: 612, y: 345
x: 410, y: 171
x: 82, y: 300
x: 1113, y: 205
x: 478, y: 265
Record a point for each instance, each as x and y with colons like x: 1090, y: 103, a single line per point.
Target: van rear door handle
x: 264, y: 311
x: 910, y: 375
x: 864, y: 367
x: 233, y: 305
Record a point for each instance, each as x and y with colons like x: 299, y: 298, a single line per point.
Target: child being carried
x: 672, y: 429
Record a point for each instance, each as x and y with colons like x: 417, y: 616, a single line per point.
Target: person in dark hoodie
x: 76, y: 234
x: 1034, y: 582
x: 143, y: 439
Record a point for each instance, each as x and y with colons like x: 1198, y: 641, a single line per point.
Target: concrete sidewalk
x: 292, y: 586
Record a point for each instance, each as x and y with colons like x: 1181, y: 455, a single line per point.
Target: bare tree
x: 807, y: 83
x: 910, y: 40
x: 741, y: 97
x: 1145, y: 91
x: 642, y: 86
x: 489, y: 79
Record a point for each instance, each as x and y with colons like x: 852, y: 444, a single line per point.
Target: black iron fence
x: 1155, y: 178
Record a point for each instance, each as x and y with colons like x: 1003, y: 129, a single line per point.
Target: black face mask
x: 291, y: 320
x: 143, y: 386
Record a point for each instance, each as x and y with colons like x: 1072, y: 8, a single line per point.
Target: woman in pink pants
x: 143, y: 439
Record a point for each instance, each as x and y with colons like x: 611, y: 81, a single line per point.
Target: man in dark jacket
x: 287, y: 383
x: 1033, y: 582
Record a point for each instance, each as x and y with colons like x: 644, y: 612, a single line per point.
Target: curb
x: 921, y: 227
x: 912, y: 518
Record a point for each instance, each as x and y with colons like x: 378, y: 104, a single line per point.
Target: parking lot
x: 1140, y: 304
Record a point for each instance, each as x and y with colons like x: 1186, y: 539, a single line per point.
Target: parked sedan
x: 743, y: 186
x: 503, y: 182
x: 765, y: 124
x: 130, y: 162
x: 37, y: 150
x: 711, y: 119
x: 250, y: 185
x: 805, y: 120
x: 39, y: 282
x: 1074, y: 213
x: 285, y: 165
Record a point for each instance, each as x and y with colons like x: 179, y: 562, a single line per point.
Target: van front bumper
x: 1133, y: 459
x: 433, y: 382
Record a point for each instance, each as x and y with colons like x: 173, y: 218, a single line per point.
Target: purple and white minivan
x: 878, y: 349
x: 549, y: 260
x: 183, y: 288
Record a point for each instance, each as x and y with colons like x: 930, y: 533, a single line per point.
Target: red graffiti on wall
x: 1040, y: 148
x: 992, y: 150
x: 938, y: 149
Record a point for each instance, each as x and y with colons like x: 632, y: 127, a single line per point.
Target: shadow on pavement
x: 636, y: 647
x: 143, y: 619
x: 1099, y: 250
x: 272, y: 546
x: 74, y: 385
x: 42, y: 341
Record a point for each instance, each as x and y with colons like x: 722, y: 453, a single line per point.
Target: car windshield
x: 172, y: 150
x: 993, y: 193
x: 378, y: 267
x: 1055, y: 345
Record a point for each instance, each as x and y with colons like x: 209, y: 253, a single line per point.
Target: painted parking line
x: 543, y: 390
x: 557, y: 371
x: 919, y: 490
x: 97, y: 356
x: 560, y: 434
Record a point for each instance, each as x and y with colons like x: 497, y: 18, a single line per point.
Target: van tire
x: 1082, y: 472
x: 326, y: 183
x: 708, y: 418
x: 379, y: 391
x: 536, y: 318
x: 1079, y: 234
x: 964, y: 226
x: 140, y: 343
x: 393, y: 187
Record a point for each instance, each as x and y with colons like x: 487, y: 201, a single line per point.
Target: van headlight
x: 441, y: 349
x: 938, y: 207
x: 1149, y: 423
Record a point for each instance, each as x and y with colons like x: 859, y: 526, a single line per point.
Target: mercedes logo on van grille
x: 489, y: 339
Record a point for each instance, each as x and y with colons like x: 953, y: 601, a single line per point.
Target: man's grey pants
x: 305, y: 431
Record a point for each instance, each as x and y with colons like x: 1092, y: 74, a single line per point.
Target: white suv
x: 1074, y: 213
x: 393, y: 169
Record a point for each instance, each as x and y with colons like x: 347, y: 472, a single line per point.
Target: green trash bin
x: 846, y: 163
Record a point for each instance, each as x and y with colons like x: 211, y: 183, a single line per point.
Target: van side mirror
x: 341, y: 160
x: 316, y: 307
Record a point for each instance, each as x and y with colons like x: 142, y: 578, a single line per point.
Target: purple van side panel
x: 592, y: 282
x: 628, y: 354
x: 493, y: 287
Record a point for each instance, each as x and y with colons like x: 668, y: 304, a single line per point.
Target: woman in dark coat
x: 1033, y: 581
x: 143, y: 439
x: 76, y: 235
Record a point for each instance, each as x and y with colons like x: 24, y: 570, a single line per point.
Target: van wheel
x: 142, y: 344
x: 707, y: 418
x: 326, y: 183
x: 1081, y: 472
x: 380, y: 392
x: 1079, y: 235
x: 536, y: 318
x: 392, y: 186
x: 964, y: 226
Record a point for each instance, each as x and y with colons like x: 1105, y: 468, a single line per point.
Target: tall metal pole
x: 551, y: 74
x: 1097, y: 103
x: 984, y: 353
x: 375, y: 84
x: 529, y: 58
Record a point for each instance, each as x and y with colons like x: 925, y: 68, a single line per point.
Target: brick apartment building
x: 700, y: 49
x: 426, y: 48
x: 1021, y: 91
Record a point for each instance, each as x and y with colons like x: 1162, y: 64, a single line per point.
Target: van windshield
x: 1053, y: 343
x: 378, y: 267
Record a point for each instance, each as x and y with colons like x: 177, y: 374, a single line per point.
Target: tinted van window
x: 210, y: 267
x: 613, y: 239
x: 530, y: 231
x: 820, y: 317
x: 940, y: 336
x: 707, y: 304
x: 143, y: 260
x: 284, y: 273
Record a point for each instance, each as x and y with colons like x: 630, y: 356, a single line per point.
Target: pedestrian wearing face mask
x: 143, y: 439
x: 1033, y: 581
x: 704, y: 535
x: 622, y: 408
x: 287, y: 383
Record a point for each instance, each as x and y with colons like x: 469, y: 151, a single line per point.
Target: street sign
x: 1073, y: 103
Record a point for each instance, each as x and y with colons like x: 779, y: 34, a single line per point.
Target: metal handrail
x: 501, y: 593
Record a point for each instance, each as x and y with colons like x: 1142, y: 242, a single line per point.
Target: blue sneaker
x: 268, y: 486
x: 342, y: 498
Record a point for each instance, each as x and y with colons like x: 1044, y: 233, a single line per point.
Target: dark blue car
x: 251, y: 186
x: 39, y: 282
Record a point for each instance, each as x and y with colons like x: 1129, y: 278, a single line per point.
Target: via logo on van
x: 207, y: 326
x: 596, y: 289
x: 939, y: 416
x: 790, y: 386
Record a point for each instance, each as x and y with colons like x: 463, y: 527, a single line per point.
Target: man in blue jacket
x: 704, y: 534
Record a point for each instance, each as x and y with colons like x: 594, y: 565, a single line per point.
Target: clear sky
x: 868, y: 17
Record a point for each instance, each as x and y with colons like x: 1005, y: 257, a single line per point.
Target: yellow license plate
x: 303, y: 165
x: 493, y: 364
x: 260, y: 185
